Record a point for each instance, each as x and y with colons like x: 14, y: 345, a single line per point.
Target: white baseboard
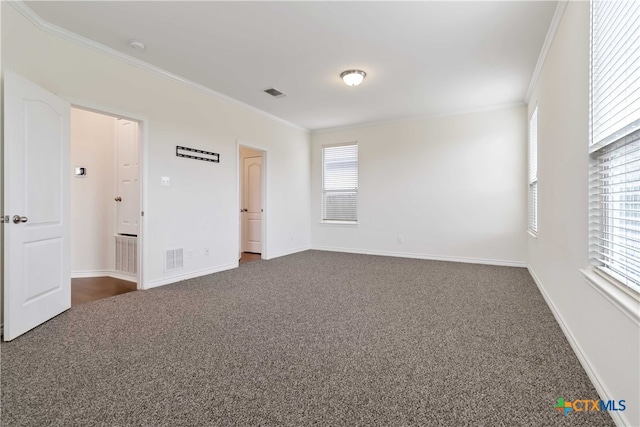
x: 499, y: 262
x: 179, y: 277
x: 121, y: 276
x: 288, y: 252
x: 82, y: 274
x: 603, y: 392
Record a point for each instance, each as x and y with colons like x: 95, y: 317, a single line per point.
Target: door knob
x: 118, y: 199
x: 18, y: 219
x: 243, y: 210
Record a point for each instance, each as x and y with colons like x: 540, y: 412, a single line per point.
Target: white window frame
x: 324, y: 191
x: 533, y: 173
x: 613, y: 166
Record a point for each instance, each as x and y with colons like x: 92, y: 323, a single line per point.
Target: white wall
x: 606, y: 339
x: 449, y: 187
x: 200, y: 208
x: 92, y: 197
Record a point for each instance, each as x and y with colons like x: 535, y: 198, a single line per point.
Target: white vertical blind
x: 614, y: 185
x: 340, y: 183
x: 533, y: 172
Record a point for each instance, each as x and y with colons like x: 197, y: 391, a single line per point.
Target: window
x: 340, y: 183
x: 533, y: 172
x: 615, y: 140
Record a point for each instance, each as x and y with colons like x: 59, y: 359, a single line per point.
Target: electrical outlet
x: 206, y: 251
x: 400, y: 239
x: 189, y: 253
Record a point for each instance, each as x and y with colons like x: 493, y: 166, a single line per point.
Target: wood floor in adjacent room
x: 250, y: 257
x: 94, y: 288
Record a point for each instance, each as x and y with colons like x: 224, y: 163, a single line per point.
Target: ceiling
x: 421, y: 58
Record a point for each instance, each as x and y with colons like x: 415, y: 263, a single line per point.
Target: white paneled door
x: 252, y: 205
x: 37, y: 283
x: 128, y: 177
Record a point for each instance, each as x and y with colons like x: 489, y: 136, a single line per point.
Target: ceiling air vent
x: 275, y: 93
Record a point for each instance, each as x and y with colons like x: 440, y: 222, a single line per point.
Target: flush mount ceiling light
x: 136, y: 45
x: 353, y: 77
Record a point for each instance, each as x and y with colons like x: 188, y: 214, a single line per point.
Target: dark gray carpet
x: 314, y: 338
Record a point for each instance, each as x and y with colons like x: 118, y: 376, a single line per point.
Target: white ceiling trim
x: 418, y: 118
x: 553, y: 27
x: 72, y: 37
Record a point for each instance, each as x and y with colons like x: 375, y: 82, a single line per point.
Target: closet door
x: 128, y: 177
x: 252, y: 201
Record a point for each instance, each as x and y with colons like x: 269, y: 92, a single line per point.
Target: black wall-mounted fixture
x: 207, y: 156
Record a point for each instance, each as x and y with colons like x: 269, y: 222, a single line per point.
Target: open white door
x: 37, y: 282
x: 128, y: 172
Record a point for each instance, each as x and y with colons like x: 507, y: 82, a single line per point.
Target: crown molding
x: 551, y: 33
x: 422, y: 117
x: 79, y: 40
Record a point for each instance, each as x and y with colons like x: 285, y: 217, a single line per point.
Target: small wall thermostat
x: 81, y: 172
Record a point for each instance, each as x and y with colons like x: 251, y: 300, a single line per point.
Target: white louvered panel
x: 127, y: 255
x: 615, y: 96
x: 533, y: 172
x: 614, y: 180
x: 615, y: 210
x: 173, y: 259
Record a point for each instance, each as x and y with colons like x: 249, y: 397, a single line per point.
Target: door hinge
x: 142, y: 213
x: 5, y: 219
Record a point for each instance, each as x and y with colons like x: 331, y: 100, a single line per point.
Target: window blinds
x: 533, y: 172
x: 615, y: 73
x: 340, y: 183
x: 615, y: 140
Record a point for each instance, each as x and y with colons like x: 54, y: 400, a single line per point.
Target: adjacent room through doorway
x: 105, y: 205
x: 251, y: 203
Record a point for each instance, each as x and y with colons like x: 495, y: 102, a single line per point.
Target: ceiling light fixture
x: 136, y: 45
x: 353, y: 77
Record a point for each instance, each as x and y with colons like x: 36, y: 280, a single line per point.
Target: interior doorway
x: 105, y: 192
x: 38, y: 173
x: 251, y: 179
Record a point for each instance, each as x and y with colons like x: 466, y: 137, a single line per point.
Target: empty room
x: 320, y: 213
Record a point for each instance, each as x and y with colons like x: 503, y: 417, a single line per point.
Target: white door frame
x: 143, y: 150
x: 265, y: 194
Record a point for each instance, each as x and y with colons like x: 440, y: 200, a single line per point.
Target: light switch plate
x: 165, y: 181
x: 80, y: 171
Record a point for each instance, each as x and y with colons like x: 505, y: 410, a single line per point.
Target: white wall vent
x: 127, y: 255
x: 173, y: 259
